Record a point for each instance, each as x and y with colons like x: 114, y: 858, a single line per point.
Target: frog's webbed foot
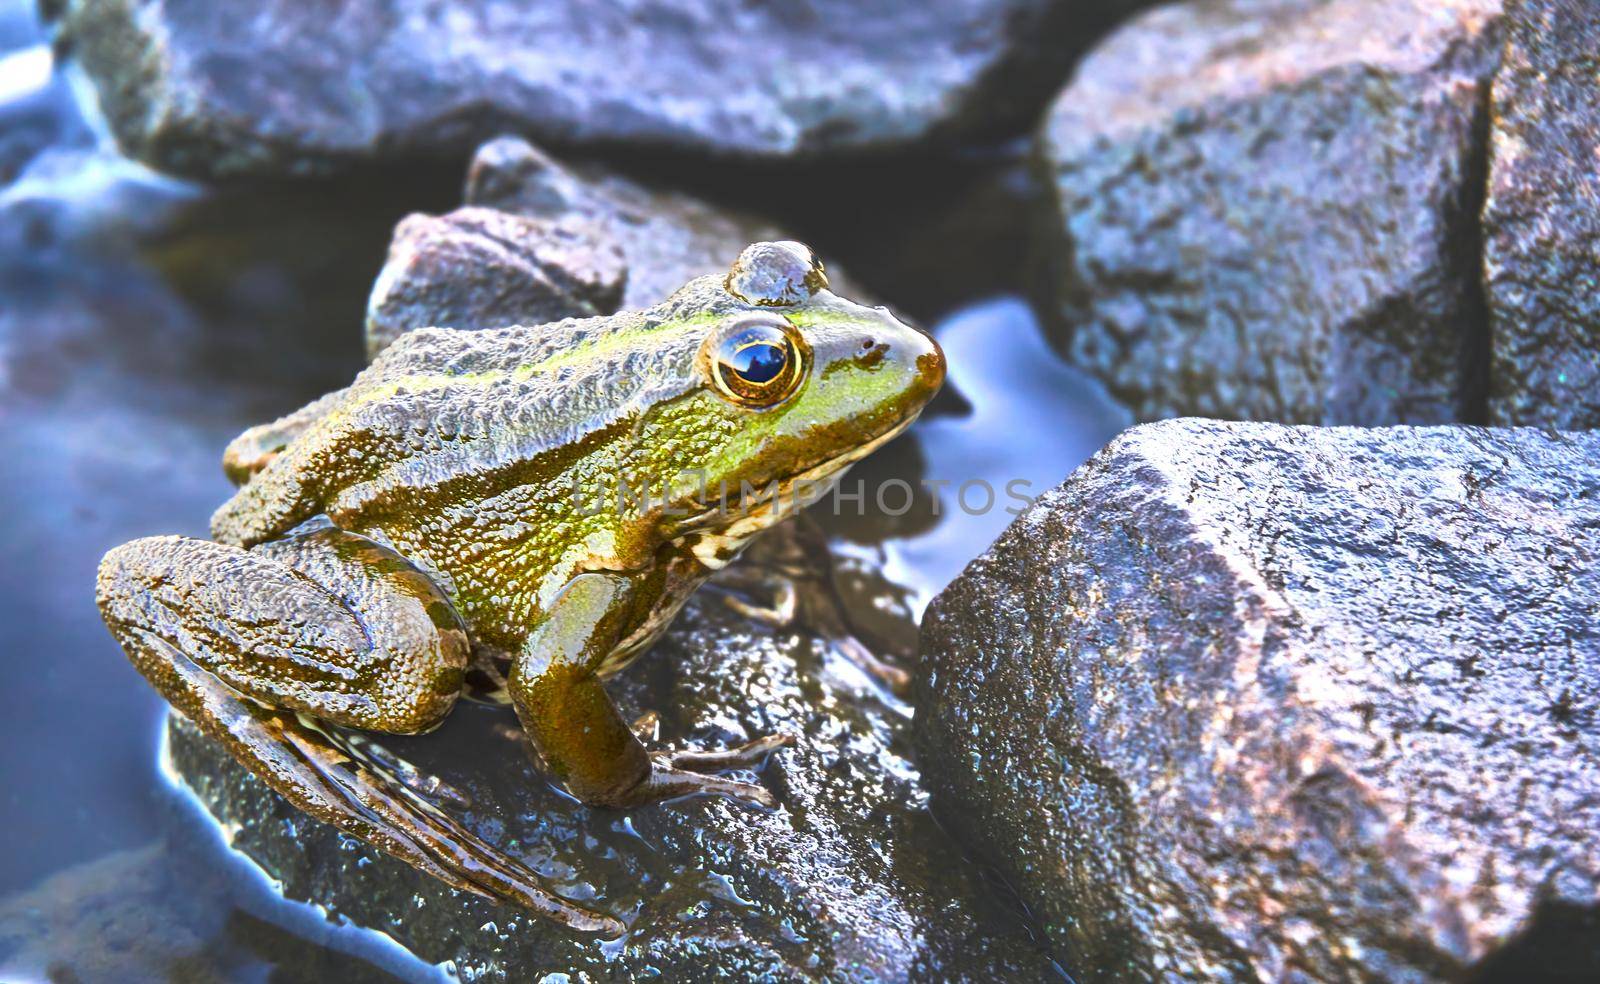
x: 300, y: 760
x: 313, y: 770
x: 685, y: 773
x: 188, y: 611
x: 746, y: 756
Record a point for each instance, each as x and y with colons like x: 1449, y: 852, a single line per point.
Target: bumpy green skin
x: 471, y: 481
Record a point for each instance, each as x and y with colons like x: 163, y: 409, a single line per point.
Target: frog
x: 515, y: 514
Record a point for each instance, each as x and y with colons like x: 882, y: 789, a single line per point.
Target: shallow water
x: 1020, y: 421
x: 144, y: 322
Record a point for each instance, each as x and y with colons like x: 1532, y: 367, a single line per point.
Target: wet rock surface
x: 849, y: 880
x: 1248, y: 701
x: 1269, y: 210
x: 667, y: 237
x: 539, y: 241
x: 478, y: 268
x: 241, y: 87
x: 1542, y: 223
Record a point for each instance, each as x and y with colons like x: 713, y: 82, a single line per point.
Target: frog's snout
x: 914, y: 357
x: 927, y: 359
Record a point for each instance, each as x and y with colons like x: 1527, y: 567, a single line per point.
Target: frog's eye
x: 756, y: 361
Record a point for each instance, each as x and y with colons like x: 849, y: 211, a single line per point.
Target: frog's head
x: 794, y: 383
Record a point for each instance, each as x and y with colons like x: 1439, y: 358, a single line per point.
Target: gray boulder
x: 242, y: 86
x: 1268, y: 209
x: 850, y: 879
x: 667, y: 237
x: 1247, y: 701
x: 478, y: 268
x: 539, y: 241
x: 1542, y: 221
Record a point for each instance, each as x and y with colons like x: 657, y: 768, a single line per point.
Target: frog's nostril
x: 871, y: 353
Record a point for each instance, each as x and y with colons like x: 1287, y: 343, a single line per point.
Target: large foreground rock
x: 1245, y: 701
x: 850, y: 879
x: 539, y: 241
x: 242, y: 86
x: 1268, y: 210
x: 1542, y: 221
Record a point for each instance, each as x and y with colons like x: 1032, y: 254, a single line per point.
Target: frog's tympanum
x: 541, y: 500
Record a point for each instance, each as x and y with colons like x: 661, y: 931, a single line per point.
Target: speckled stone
x: 1542, y: 221
x: 244, y: 86
x: 1247, y: 701
x: 539, y: 240
x: 478, y: 268
x: 1267, y: 209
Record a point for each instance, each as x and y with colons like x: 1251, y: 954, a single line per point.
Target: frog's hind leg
x: 260, y: 647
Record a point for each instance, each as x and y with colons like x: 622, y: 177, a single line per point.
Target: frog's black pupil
x: 759, y: 363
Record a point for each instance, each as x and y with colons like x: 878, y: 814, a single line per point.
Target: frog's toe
x: 746, y: 756
x: 684, y: 773
x: 665, y: 782
x: 893, y: 678
x: 428, y: 786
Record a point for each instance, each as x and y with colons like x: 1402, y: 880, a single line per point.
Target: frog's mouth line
x: 741, y: 520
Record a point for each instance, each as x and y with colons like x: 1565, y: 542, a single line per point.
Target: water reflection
x: 1016, y: 421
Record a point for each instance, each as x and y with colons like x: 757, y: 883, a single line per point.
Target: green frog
x: 527, y: 506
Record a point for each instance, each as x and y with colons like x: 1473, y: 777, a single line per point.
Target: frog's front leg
x: 260, y: 647
x: 577, y: 728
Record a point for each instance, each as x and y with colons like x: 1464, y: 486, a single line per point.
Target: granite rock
x: 242, y: 86
x: 1249, y: 701
x: 478, y: 268
x: 1542, y: 219
x: 1268, y: 210
x: 539, y: 240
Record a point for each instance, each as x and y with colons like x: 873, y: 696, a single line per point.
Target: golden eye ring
x: 756, y: 361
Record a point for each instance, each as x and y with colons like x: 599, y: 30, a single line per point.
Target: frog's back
x: 444, y: 412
